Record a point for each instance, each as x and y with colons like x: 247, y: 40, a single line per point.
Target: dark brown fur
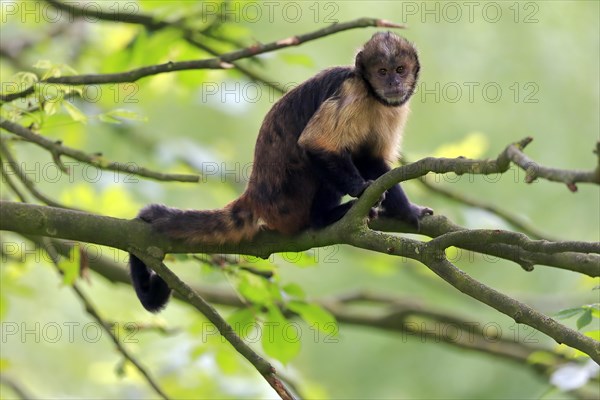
x: 326, y: 138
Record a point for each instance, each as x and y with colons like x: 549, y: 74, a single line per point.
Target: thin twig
x: 15, y: 387
x: 261, y: 365
x: 152, y: 23
x: 535, y: 170
x: 511, y: 218
x: 391, y: 314
x: 57, y: 149
x: 460, y: 166
x: 8, y: 180
x: 435, y: 259
x: 12, y: 164
x: 90, y: 309
x: 222, y: 62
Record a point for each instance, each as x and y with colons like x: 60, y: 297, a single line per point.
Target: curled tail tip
x: 152, y: 291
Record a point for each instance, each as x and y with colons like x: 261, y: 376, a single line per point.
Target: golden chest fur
x: 355, y: 121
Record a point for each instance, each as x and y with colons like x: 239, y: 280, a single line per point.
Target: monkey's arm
x: 328, y: 142
x: 338, y: 170
x: 396, y: 203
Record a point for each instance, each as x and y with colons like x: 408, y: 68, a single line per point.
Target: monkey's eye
x: 400, y: 69
x: 382, y: 71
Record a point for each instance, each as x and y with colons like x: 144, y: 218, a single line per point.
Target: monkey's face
x: 390, y: 66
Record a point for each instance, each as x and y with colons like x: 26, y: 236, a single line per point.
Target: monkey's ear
x: 358, y: 63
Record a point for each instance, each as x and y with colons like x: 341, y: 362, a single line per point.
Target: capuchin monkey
x: 329, y: 137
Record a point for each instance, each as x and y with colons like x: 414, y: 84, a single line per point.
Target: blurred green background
x: 492, y: 73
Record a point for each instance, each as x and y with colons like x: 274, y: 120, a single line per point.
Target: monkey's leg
x: 396, y: 203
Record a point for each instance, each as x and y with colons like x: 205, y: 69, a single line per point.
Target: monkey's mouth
x: 394, y: 95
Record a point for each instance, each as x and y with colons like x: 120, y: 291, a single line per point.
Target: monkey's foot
x: 411, y: 216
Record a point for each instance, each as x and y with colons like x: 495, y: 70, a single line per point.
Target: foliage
x: 205, y: 122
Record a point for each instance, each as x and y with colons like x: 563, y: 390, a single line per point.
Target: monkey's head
x: 390, y: 67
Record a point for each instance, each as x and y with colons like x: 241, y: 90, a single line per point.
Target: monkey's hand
x: 358, y: 190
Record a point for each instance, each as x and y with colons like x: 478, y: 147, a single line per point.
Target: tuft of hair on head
x: 389, y: 66
x: 381, y: 45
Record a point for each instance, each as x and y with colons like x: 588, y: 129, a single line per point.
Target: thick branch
x: 391, y: 314
x: 460, y: 166
x: 67, y: 224
x: 352, y: 229
x: 434, y: 258
x: 224, y: 61
x: 512, y: 218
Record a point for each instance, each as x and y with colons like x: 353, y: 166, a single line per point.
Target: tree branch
x: 261, y: 365
x: 512, y: 218
x: 352, y: 229
x: 46, y: 244
x: 57, y: 149
x: 153, y: 24
x: 460, y: 166
x: 14, y: 166
x: 534, y: 170
x: 222, y: 62
x: 67, y: 224
x: 510, y: 246
x: 392, y: 314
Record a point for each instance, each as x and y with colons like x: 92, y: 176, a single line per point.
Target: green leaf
x: 569, y: 312
x: 594, y: 308
x: 51, y: 106
x: 315, y: 315
x: 294, y: 290
x: 74, y: 112
x: 243, y: 321
x: 593, y: 334
x: 299, y: 259
x: 585, y: 319
x: 108, y: 119
x: 70, y: 266
x: 4, y: 364
x: 228, y: 361
x: 43, y: 64
x: 280, y: 337
x: 255, y: 289
x: 541, y: 357
x: 119, y: 114
x: 26, y: 78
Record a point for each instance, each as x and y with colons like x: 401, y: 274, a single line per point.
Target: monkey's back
x: 283, y: 183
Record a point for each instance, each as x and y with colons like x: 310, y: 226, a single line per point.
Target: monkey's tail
x: 150, y: 288
x: 234, y: 222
